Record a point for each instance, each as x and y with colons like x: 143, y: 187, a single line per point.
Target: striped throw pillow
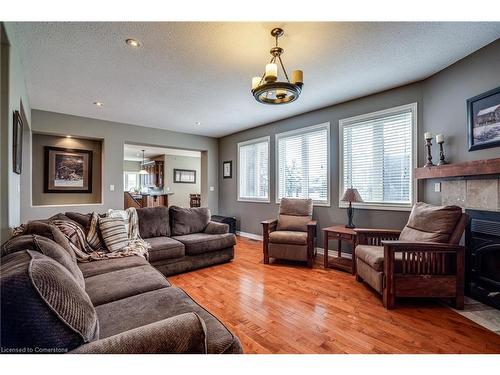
x: 114, y: 233
x: 93, y: 236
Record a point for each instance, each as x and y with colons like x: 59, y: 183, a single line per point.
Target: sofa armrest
x: 185, y: 333
x: 216, y: 228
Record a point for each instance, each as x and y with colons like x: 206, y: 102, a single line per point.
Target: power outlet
x: 437, y: 187
x: 111, y: 187
x: 212, y: 188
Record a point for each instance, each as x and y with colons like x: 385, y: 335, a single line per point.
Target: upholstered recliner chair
x: 291, y: 236
x: 423, y: 260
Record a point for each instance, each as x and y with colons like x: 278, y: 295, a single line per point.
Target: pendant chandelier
x: 267, y: 89
x: 143, y: 171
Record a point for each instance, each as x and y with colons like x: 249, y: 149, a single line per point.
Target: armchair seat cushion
x: 288, y: 237
x: 371, y: 255
x: 374, y: 256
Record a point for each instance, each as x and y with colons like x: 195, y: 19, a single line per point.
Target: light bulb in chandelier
x: 268, y: 89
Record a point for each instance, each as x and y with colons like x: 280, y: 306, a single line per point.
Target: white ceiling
x: 201, y: 71
x: 134, y: 152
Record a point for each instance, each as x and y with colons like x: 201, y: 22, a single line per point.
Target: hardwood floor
x: 287, y: 308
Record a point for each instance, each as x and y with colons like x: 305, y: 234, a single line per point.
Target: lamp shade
x: 351, y: 195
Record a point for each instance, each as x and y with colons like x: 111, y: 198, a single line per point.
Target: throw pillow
x: 93, y: 235
x: 114, y: 233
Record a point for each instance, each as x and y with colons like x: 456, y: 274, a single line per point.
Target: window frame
x: 125, y: 174
x: 246, y: 143
x: 304, y: 130
x: 413, y: 107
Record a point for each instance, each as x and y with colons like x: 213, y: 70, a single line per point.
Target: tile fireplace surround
x: 479, y: 194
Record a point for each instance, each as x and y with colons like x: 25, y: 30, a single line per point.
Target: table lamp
x: 351, y: 195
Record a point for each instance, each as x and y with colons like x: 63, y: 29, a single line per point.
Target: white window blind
x: 378, y: 156
x: 253, y: 170
x: 302, y: 161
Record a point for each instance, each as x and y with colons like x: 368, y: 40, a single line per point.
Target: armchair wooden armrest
x: 311, y: 228
x: 268, y: 226
x: 375, y: 236
x: 421, y: 246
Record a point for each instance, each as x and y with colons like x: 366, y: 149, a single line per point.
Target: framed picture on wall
x: 184, y: 176
x: 17, y: 147
x: 67, y: 170
x: 483, y: 120
x: 227, y: 169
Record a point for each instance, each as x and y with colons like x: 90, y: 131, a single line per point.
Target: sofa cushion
x: 188, y: 220
x: 99, y: 267
x: 371, y: 255
x: 112, y: 286
x: 43, y: 305
x: 146, y: 308
x: 199, y: 243
x: 431, y: 223
x: 47, y: 247
x: 288, y: 237
x: 153, y: 222
x: 164, y: 248
x: 46, y: 229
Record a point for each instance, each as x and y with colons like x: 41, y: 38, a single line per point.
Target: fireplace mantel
x: 488, y: 167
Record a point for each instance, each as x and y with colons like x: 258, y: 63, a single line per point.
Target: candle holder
x: 428, y: 144
x: 441, y: 154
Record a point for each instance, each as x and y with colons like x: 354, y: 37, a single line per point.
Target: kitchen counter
x: 146, y: 200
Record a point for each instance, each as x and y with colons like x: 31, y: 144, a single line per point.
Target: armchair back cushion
x: 295, y: 214
x: 43, y: 305
x: 429, y: 223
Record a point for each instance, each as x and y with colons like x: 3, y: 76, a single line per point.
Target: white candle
x: 255, y: 82
x: 439, y: 138
x: 297, y: 76
x: 428, y: 135
x: 271, y: 72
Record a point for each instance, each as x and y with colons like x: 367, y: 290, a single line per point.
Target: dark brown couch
x: 52, y: 304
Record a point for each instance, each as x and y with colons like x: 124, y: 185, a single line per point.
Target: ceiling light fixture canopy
x: 267, y: 89
x: 143, y: 171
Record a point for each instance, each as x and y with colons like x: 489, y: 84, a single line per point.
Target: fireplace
x: 482, y: 263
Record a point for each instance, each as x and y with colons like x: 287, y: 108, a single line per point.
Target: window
x: 253, y: 170
x: 302, y: 164
x: 377, y: 156
x: 130, y: 180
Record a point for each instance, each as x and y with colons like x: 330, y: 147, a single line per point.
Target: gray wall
x: 13, y: 88
x: 131, y: 166
x: 39, y: 141
x: 181, y: 191
x: 445, y: 112
x: 441, y: 109
x: 114, y: 136
x: 249, y: 215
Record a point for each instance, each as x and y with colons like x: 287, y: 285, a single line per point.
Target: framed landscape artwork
x: 483, y: 120
x: 67, y: 170
x: 227, y: 169
x: 17, y: 149
x: 184, y: 176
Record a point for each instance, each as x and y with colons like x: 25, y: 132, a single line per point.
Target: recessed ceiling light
x: 133, y: 42
x: 68, y: 136
x: 99, y: 104
x: 197, y: 123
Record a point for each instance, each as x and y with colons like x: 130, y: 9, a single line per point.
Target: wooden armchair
x: 422, y: 260
x: 292, y: 235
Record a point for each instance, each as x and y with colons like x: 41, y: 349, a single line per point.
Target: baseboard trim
x: 249, y: 235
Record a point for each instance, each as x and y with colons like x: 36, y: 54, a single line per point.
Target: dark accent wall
x: 444, y: 95
x: 441, y: 109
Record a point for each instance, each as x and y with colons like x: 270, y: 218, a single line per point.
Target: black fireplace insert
x: 482, y: 262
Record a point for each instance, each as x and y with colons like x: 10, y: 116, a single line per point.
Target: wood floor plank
x: 285, y: 307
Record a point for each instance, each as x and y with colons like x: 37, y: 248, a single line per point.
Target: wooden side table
x: 340, y: 233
